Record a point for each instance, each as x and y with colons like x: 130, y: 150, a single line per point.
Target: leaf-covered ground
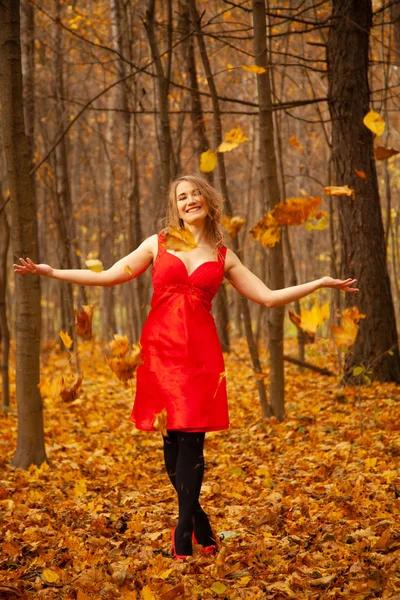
x: 307, y: 507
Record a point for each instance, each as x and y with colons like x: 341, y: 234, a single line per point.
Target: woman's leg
x: 189, y: 477
x: 172, y: 446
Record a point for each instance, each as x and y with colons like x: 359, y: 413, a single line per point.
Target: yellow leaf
x: 66, y: 338
x: 165, y: 574
x: 227, y: 146
x: 253, y: 69
x: 80, y: 488
x: 147, y: 594
x: 382, y: 153
x: 245, y: 580
x: 50, y: 576
x: 370, y: 463
x: 179, y: 239
x: 94, y: 264
x: 208, y: 161
x: 374, y: 122
x: 233, y: 138
x: 339, y: 190
x: 218, y: 587
x: 119, y: 345
x: 319, y: 222
x: 267, y: 231
x: 295, y: 142
x: 160, y: 422
x: 311, y: 320
x: 230, y: 67
x: 295, y: 211
x: 233, y: 225
x: 128, y: 270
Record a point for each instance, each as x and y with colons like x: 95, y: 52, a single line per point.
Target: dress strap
x: 161, y: 245
x: 221, y: 255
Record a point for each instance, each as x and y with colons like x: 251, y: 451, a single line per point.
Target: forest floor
x: 307, y: 507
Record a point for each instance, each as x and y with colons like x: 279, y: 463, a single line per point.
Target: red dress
x: 183, y: 367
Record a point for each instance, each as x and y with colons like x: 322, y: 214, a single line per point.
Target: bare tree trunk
x: 4, y: 330
x: 63, y: 201
x: 227, y: 204
x: 30, y: 442
x: 361, y: 227
x: 165, y: 146
x: 270, y: 183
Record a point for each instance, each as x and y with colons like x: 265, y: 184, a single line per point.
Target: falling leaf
x: 66, y: 338
x: 374, y: 122
x: 161, y: 421
x: 311, y: 320
x: 233, y: 225
x: 124, y: 365
x: 50, y: 576
x: 382, y: 153
x: 346, y: 334
x: 128, y: 270
x: 233, y: 138
x: 295, y: 142
x: 319, y: 223
x: 339, y: 190
x: 267, y: 231
x: 295, y: 319
x: 119, y: 345
x: 94, y: 264
x: 253, y: 69
x: 70, y: 393
x: 361, y: 174
x: 179, y: 240
x: 208, y: 161
x: 295, y: 211
x: 83, y: 321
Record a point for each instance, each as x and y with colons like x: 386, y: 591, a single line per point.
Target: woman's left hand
x: 340, y: 284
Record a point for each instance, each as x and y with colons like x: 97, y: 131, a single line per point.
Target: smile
x: 194, y: 209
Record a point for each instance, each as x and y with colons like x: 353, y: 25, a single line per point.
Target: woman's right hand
x: 28, y: 267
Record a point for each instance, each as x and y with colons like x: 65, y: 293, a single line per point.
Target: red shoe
x: 212, y: 549
x: 176, y: 556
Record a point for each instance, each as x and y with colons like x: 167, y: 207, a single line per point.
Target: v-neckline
x: 189, y: 275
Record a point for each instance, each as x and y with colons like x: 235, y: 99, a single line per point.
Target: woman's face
x: 192, y: 206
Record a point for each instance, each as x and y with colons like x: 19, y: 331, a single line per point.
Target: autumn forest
x: 290, y: 108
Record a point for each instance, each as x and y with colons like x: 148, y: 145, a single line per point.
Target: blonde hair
x: 214, y: 201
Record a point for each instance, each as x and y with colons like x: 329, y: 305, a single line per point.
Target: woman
x: 183, y: 373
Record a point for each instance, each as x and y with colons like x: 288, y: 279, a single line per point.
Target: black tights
x: 184, y: 461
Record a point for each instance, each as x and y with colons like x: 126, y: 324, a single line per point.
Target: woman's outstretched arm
x: 125, y: 269
x: 250, y: 286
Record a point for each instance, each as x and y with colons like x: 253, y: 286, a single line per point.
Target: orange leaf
x: 233, y: 225
x: 68, y: 394
x: 267, y: 231
x: 295, y: 142
x: 295, y: 211
x: 83, y: 322
x: 179, y: 239
x: 361, y: 174
x: 339, y: 190
x: 382, y: 153
x: 160, y: 422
